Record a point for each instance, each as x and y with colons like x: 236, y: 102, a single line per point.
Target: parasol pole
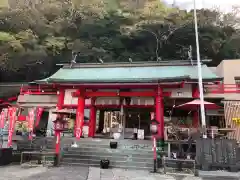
x: 139, y: 121
x: 200, y: 84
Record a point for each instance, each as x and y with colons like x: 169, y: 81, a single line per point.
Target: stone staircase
x: 130, y: 154
x: 37, y: 143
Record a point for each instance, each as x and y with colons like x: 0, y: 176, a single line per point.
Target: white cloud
x: 224, y: 5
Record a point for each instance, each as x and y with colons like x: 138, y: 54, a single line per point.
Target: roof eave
x: 161, y: 80
x: 208, y: 79
x: 183, y: 78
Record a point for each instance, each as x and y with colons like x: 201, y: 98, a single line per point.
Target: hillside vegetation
x: 37, y: 34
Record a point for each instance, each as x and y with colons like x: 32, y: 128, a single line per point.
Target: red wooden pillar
x: 60, y: 102
x: 57, y: 134
x: 160, y: 112
x: 57, y: 145
x: 195, y: 95
x: 92, y: 121
x: 80, y: 114
x: 195, y: 91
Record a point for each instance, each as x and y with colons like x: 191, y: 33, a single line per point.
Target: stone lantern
x: 59, y: 126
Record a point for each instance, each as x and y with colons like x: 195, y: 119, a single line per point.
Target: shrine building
x: 97, y: 94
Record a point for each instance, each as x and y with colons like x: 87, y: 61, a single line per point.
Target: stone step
x: 110, y: 153
x: 109, y: 150
x: 87, y: 146
x: 116, y: 165
x: 129, y: 154
x: 96, y: 140
x: 36, y: 142
x: 69, y: 157
x: 67, y: 140
x: 119, y: 160
x: 106, y: 153
x: 101, y: 143
x: 107, y: 147
x: 122, y: 147
x: 112, y: 161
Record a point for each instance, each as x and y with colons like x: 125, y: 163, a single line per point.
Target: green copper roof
x: 10, y: 89
x: 89, y: 74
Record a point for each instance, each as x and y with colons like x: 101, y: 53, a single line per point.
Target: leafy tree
x: 37, y: 34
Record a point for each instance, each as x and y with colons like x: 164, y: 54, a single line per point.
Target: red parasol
x: 195, y: 104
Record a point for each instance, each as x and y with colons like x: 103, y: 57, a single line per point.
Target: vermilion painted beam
x: 38, y: 93
x: 107, y: 85
x: 60, y: 99
x: 12, y: 98
x: 120, y: 94
x: 125, y: 86
x: 109, y: 106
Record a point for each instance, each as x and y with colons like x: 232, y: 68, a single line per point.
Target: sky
x: 223, y: 5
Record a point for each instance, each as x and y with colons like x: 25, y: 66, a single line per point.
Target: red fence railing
x: 38, y: 90
x: 221, y: 88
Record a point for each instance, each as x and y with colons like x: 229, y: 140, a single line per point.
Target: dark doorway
x: 41, y: 129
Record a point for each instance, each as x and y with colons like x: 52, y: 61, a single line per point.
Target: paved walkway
x: 85, y: 173
x: 121, y: 174
x: 42, y: 173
